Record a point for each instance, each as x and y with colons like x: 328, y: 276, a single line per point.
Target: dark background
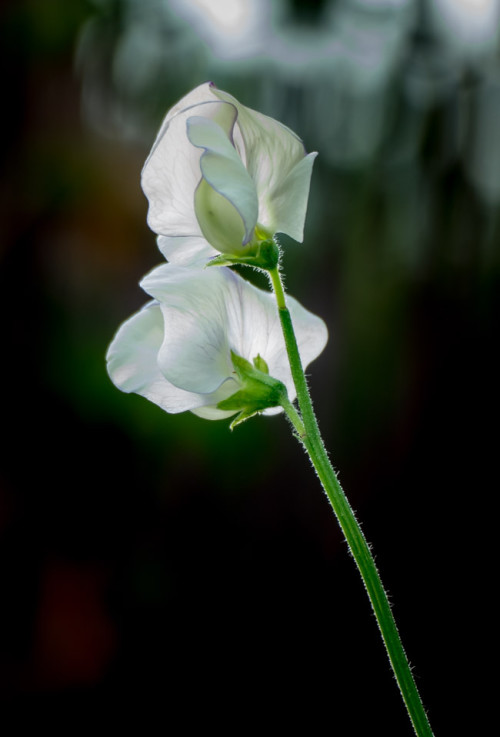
x: 162, y: 563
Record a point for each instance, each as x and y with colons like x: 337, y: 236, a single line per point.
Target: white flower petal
x: 270, y: 151
x: 212, y: 413
x: 202, y: 93
x: 169, y: 178
x: 195, y: 354
x: 255, y: 329
x: 288, y: 202
x: 186, y: 250
x: 133, y: 366
x: 172, y: 171
x: 272, y: 411
x: 224, y: 171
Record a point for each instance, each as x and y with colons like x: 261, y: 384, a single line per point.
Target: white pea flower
x: 183, y: 350
x: 225, y: 177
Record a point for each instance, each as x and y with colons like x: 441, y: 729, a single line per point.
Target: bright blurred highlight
x: 468, y: 26
x: 233, y: 29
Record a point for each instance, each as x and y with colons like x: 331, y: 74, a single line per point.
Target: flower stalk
x: 308, y: 433
x: 221, y: 181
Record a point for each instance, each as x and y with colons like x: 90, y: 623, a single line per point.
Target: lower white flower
x: 178, y: 350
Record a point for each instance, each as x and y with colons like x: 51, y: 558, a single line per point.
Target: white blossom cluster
x: 220, y: 179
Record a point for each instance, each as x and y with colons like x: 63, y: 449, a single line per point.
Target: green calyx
x: 261, y: 254
x: 258, y: 390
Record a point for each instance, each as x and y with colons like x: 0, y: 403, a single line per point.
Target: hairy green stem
x: 308, y: 433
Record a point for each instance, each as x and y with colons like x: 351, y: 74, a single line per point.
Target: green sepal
x: 220, y: 260
x: 264, y: 255
x: 245, y: 415
x: 260, y: 364
x: 258, y: 390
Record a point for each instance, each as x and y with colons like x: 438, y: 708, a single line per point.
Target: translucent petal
x: 133, y: 366
x: 194, y: 354
x: 210, y: 412
x: 172, y: 171
x: 186, y: 250
x: 202, y: 93
x: 270, y: 151
x: 169, y: 178
x: 255, y: 329
x: 225, y: 172
x: 287, y: 204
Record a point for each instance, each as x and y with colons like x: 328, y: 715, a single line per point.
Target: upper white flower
x: 177, y: 350
x: 224, y: 176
